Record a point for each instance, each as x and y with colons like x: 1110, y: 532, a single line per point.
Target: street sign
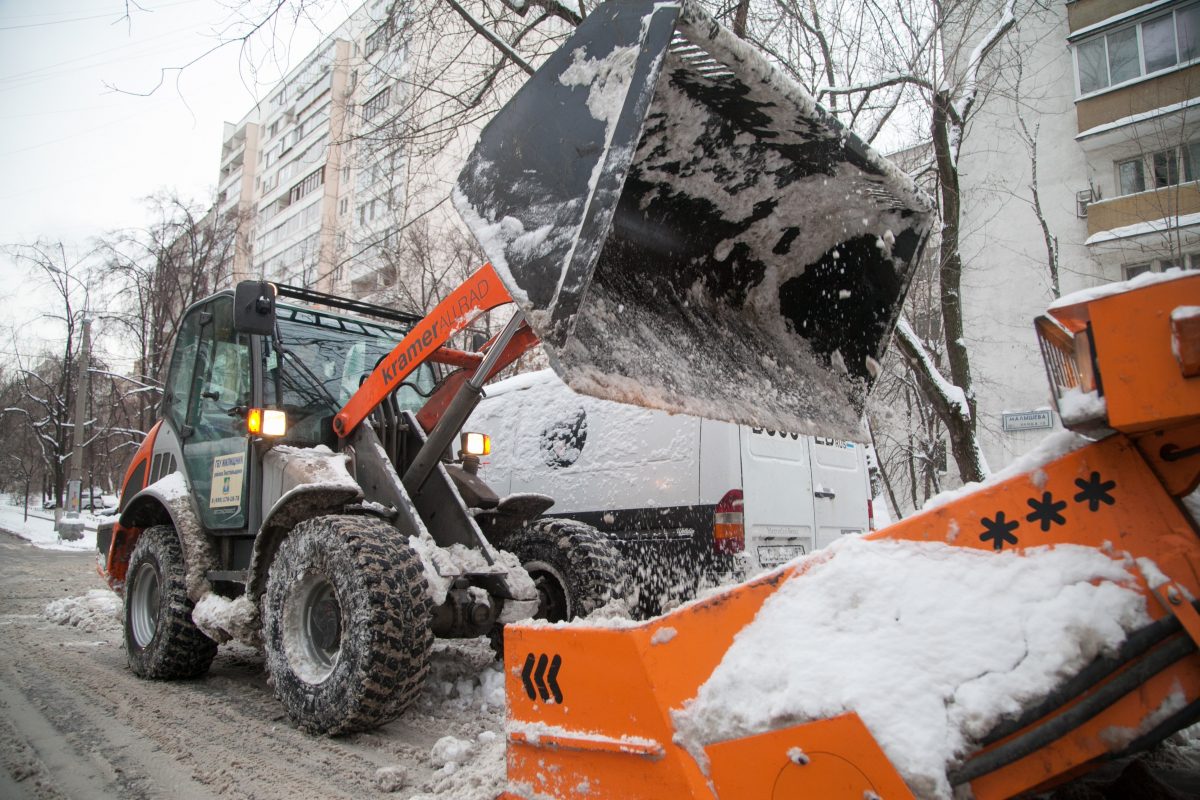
x: 1028, y: 420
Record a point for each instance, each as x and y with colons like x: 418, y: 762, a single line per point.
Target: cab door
x: 208, y: 390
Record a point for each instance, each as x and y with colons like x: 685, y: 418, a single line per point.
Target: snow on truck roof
x: 1071, y: 309
x: 863, y: 626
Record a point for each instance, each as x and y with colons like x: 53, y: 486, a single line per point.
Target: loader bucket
x: 686, y: 229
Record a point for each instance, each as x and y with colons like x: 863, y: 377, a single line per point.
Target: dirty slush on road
x: 75, y: 722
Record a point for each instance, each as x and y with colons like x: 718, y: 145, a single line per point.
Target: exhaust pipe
x: 686, y: 229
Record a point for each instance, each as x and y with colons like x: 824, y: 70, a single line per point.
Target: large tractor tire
x: 161, y: 640
x: 346, y: 617
x: 575, y: 568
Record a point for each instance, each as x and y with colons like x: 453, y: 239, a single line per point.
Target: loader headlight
x: 266, y: 421
x: 476, y: 444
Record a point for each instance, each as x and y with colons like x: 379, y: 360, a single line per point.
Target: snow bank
x: 37, y: 527
x: 868, y: 628
x: 98, y: 610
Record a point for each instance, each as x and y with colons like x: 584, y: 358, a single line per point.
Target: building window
x: 1133, y: 270
x: 344, y: 206
x: 310, y: 182
x: 1191, y: 161
x: 1112, y: 58
x: 375, y: 104
x: 1131, y: 176
x: 1162, y: 167
x: 1166, y: 168
x: 376, y: 39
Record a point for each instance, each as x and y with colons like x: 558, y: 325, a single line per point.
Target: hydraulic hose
x: 1134, y: 646
x: 1047, y: 732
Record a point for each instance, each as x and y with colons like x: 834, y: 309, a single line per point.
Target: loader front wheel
x: 346, y: 617
x: 161, y: 640
x: 574, y: 567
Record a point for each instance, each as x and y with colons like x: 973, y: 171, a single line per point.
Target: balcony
x: 1131, y: 209
x: 1146, y: 95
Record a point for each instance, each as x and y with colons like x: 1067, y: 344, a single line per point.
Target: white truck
x: 687, y: 501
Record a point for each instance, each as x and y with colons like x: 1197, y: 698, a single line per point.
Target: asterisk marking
x: 1046, y: 511
x: 999, y: 531
x: 1095, y: 491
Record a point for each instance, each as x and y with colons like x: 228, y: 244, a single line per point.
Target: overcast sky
x: 80, y: 147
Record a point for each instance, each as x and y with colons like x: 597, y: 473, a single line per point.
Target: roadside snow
x: 98, y: 610
x: 38, y: 528
x: 928, y: 677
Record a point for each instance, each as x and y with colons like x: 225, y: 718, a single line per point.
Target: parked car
x: 688, y: 501
x: 100, y: 503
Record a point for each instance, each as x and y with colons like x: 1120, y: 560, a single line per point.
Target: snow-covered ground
x: 37, y: 525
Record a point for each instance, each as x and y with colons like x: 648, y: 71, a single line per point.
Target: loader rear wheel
x: 574, y: 567
x: 346, y: 617
x: 161, y: 640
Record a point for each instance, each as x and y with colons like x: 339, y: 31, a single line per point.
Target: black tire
x: 575, y: 568
x: 346, y: 617
x: 161, y: 641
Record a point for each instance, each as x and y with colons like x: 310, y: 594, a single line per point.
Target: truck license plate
x: 770, y: 555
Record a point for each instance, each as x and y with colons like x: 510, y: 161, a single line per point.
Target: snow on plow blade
x: 685, y: 228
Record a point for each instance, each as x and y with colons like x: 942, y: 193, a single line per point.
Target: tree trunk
x: 962, y: 429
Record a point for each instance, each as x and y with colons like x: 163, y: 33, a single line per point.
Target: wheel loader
x: 684, y: 228
x: 301, y: 492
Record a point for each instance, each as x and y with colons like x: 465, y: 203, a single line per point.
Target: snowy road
x: 75, y: 723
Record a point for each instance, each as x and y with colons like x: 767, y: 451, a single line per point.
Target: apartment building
x: 1137, y: 68
x: 319, y: 189
x: 1094, y: 102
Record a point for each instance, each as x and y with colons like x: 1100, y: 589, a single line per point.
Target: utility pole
x: 70, y: 527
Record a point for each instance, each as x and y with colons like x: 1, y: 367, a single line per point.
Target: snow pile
x: 868, y: 628
x: 465, y: 693
x: 464, y: 676
x: 443, y: 564
x: 451, y: 750
x: 1076, y: 406
x: 98, y: 610
x: 1120, y: 287
x: 221, y: 619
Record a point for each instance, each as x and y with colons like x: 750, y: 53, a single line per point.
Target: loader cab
x: 219, y: 371
x: 319, y: 362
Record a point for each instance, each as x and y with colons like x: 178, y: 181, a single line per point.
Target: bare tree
x: 46, y: 381
x: 154, y: 273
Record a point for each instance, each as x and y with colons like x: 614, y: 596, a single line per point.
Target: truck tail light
x: 729, y: 530
x: 870, y: 514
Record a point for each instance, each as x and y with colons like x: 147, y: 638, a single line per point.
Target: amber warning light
x: 476, y: 444
x: 266, y: 421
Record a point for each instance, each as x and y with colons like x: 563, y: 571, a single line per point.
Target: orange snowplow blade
x: 591, y: 709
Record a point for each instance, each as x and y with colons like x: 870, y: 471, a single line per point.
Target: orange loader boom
x: 590, y: 709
